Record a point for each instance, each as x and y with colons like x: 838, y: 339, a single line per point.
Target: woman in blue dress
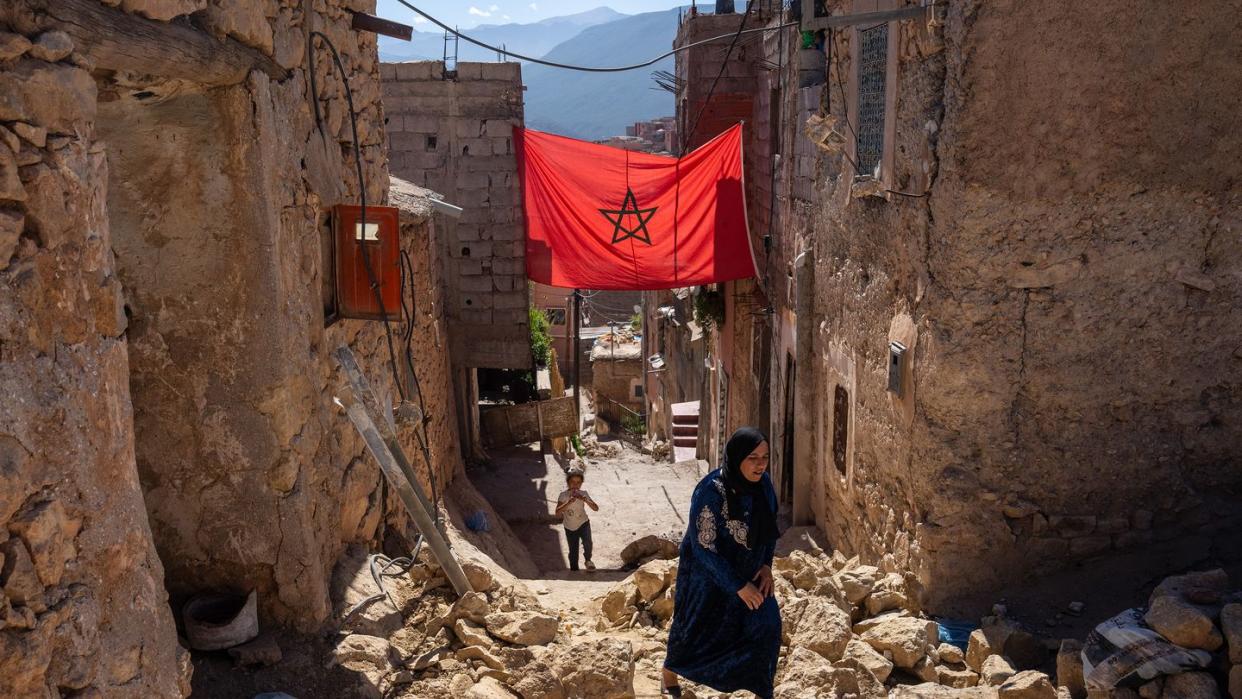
x: 726, y: 630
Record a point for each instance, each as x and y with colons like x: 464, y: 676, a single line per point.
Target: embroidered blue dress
x: 715, y: 639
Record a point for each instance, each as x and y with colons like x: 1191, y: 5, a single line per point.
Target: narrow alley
x: 897, y: 342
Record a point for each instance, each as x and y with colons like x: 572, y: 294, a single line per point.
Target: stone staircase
x: 685, y: 430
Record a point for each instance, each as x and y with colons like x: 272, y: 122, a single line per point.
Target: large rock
x: 359, y: 650
x: 1235, y: 682
x: 471, y: 634
x: 889, y: 593
x: 951, y: 654
x: 1190, y: 685
x: 958, y: 678
x: 21, y: 582
x: 598, y: 669
x: 1204, y: 587
x: 1028, y: 685
x: 907, y: 639
x: 651, y: 546
x: 1231, y: 627
x: 989, y: 640
x: 858, y: 582
x: 996, y: 670
x: 12, y: 46
x: 803, y: 669
x: 52, y: 46
x: 479, y: 577
x: 620, y: 602
x: 1183, y: 623
x: 1069, y: 668
x: 653, y: 577
x: 473, y: 606
x: 538, y: 681
x: 823, y: 628
x: 54, y: 96
x: 880, y: 666
x: 523, y: 628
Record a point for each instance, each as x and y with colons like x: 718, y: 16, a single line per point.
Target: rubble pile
x: 497, y: 642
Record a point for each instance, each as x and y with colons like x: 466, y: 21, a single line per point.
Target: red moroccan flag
x: 606, y: 218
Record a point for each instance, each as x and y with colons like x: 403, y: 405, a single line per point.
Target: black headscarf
x: 763, y: 527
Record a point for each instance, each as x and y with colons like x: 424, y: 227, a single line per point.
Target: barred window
x: 872, y: 70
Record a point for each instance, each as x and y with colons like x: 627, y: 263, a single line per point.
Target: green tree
x: 540, y: 338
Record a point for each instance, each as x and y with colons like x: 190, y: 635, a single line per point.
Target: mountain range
x: 578, y: 104
x: 534, y: 39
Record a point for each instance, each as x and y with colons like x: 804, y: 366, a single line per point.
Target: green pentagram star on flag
x: 629, y: 207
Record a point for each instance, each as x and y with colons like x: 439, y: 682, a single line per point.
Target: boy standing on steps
x: 571, y: 506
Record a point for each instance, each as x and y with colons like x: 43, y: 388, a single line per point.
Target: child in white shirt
x: 571, y: 506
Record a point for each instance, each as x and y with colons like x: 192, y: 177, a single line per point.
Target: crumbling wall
x: 217, y: 207
x: 1060, y: 290
x: 82, y: 604
x: 455, y: 136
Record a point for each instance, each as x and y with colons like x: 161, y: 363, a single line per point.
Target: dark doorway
x: 787, y: 450
x: 840, y: 427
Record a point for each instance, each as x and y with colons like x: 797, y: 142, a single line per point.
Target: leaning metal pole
x: 364, y: 411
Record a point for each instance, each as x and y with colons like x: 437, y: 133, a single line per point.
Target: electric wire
x: 741, y: 28
x: 586, y: 69
x: 375, y: 561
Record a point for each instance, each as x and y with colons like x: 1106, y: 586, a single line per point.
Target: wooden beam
x: 116, y: 40
x: 378, y: 25
x: 811, y: 23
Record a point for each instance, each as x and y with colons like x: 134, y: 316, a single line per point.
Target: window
x: 556, y: 316
x: 636, y: 390
x: 840, y: 427
x: 872, y: 83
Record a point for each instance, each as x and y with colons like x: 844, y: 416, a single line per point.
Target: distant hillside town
x: 655, y: 136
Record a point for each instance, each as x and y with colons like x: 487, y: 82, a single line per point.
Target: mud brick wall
x: 455, y: 136
x: 1064, y: 290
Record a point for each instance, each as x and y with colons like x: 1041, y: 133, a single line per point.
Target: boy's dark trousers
x: 582, y: 534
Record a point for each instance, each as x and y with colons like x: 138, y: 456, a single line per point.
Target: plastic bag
x: 477, y: 522
x: 1125, y: 652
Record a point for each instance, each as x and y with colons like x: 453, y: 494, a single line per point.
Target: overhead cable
x: 587, y: 69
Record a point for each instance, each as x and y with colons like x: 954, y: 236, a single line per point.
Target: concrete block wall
x: 455, y: 136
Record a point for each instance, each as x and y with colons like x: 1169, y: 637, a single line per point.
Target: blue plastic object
x: 477, y: 522
x: 956, y: 632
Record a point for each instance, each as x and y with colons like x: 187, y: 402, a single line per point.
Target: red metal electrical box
x: 355, y: 297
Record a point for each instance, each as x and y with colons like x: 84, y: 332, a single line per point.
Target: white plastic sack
x: 1125, y: 652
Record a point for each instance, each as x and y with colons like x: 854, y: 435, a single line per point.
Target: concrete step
x: 685, y: 419
x: 679, y: 441
x: 685, y: 430
x: 683, y: 453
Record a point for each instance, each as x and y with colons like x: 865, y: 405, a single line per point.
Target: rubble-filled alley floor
x: 637, y: 495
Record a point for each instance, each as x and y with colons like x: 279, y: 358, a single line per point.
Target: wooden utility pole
x: 577, y: 360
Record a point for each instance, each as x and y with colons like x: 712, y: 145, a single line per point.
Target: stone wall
x: 195, y: 359
x: 1060, y: 271
x: 83, y: 603
x: 455, y: 136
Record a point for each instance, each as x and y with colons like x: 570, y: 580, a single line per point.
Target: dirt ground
x: 637, y: 496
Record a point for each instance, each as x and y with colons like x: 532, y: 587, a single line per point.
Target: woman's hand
x: 750, y: 595
x: 764, y: 579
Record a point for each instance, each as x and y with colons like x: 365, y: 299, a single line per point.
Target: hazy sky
x: 468, y: 13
